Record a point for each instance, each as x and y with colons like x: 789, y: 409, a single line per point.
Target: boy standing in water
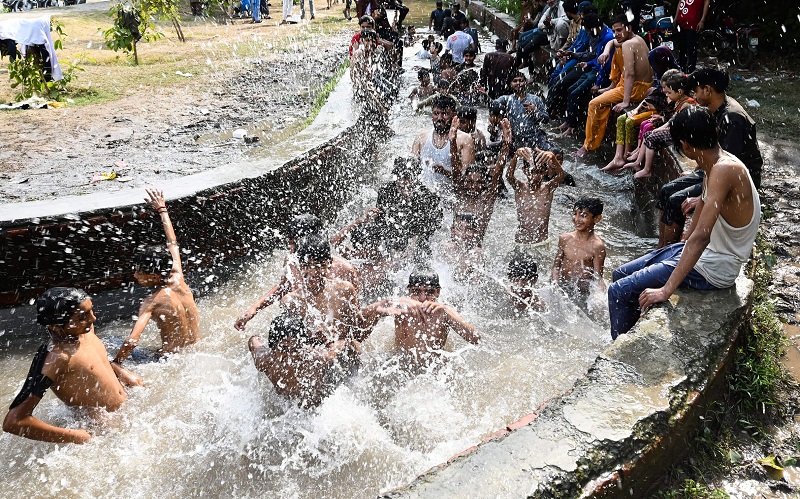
x: 172, y: 305
x: 421, y: 324
x: 581, y: 253
x: 74, y: 363
x: 523, y: 274
x: 534, y: 194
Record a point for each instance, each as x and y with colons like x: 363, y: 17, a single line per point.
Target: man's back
x: 636, y: 50
x: 176, y: 314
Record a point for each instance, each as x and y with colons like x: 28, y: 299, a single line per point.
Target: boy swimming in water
x: 421, y: 323
x: 581, y: 253
x: 74, y: 364
x: 172, y: 305
x: 296, y: 366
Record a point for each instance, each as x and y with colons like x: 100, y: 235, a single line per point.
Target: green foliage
x: 693, y: 490
x: 120, y: 37
x: 510, y: 7
x: 28, y: 77
x: 758, y: 372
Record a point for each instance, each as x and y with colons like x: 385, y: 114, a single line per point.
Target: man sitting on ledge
x: 719, y: 241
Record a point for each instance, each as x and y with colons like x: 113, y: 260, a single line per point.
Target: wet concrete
x: 621, y: 425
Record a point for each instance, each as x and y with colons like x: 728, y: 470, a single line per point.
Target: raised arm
x: 156, y: 201
x: 461, y: 326
x: 496, y: 172
x: 512, y: 169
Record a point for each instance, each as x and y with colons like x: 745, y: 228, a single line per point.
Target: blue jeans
x: 255, y: 6
x: 559, y: 71
x: 579, y: 96
x: 649, y: 271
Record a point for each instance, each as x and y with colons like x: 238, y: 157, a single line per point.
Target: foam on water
x: 208, y: 424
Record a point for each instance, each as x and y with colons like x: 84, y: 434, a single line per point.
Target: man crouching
x: 74, y: 363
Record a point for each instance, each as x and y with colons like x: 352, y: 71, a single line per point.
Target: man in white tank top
x: 719, y: 241
x: 445, y: 151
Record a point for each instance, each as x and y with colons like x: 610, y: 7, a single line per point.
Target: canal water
x: 208, y: 424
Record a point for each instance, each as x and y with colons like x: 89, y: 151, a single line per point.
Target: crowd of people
x: 455, y: 169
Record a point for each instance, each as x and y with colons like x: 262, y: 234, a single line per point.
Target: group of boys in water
x: 315, y: 342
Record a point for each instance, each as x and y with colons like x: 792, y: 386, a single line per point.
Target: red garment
x: 353, y: 41
x: 689, y: 14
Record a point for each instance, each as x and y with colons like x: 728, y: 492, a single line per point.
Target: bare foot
x: 568, y: 132
x: 632, y: 165
x: 642, y: 174
x: 632, y: 155
x: 614, y: 165
x: 581, y: 153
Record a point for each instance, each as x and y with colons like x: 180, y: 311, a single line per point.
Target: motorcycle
x: 726, y: 39
x: 657, y: 27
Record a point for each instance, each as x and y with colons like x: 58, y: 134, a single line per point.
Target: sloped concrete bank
x: 219, y: 215
x: 623, y: 424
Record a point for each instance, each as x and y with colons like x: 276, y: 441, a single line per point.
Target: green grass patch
x: 325, y: 92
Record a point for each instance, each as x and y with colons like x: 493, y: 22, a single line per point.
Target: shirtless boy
x: 523, y: 274
x: 464, y: 251
x: 298, y: 227
x: 421, y: 323
x: 329, y: 307
x: 581, y: 253
x: 172, y: 305
x: 74, y: 364
x: 534, y: 194
x: 297, y: 368
x: 476, y: 191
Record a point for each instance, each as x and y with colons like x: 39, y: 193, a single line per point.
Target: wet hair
x: 313, y: 248
x: 303, y: 225
x: 517, y: 74
x: 500, y: 44
x: 470, y: 51
x: 446, y: 58
x: 443, y: 102
x: 426, y: 44
x: 152, y: 260
x: 476, y: 168
x: 677, y: 81
x: 407, y: 167
x: 592, y: 205
x: 424, y: 277
x: 443, y: 83
x: 286, y: 326
x: 496, y: 109
x: 715, y: 78
x: 366, y: 19
x: 467, y: 113
x: 56, y: 305
x: 621, y: 19
x: 522, y: 266
x: 422, y: 73
x: 591, y: 20
x: 368, y: 34
x: 438, y: 45
x: 696, y: 126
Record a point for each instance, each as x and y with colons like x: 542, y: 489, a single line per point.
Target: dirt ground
x: 174, y: 114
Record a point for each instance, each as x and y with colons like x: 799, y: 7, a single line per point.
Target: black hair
x: 313, y: 248
x: 424, y: 277
x: 152, y: 260
x: 422, y: 73
x: 501, y: 44
x: 438, y: 45
x: 407, y: 167
x: 522, y: 266
x: 464, y: 22
x: 621, y: 19
x: 715, y: 78
x: 443, y: 102
x: 467, y: 112
x: 426, y: 44
x: 592, y: 205
x: 571, y: 7
x: 286, y: 326
x: 476, y: 167
x: 517, y: 74
x: 368, y: 34
x: 495, y: 108
x: 443, y: 83
x: 468, y: 217
x: 56, y: 305
x: 677, y: 81
x: 303, y: 225
x: 366, y: 19
x: 439, y: 3
x: 448, y: 58
x: 470, y: 51
x: 696, y: 126
x: 591, y: 20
